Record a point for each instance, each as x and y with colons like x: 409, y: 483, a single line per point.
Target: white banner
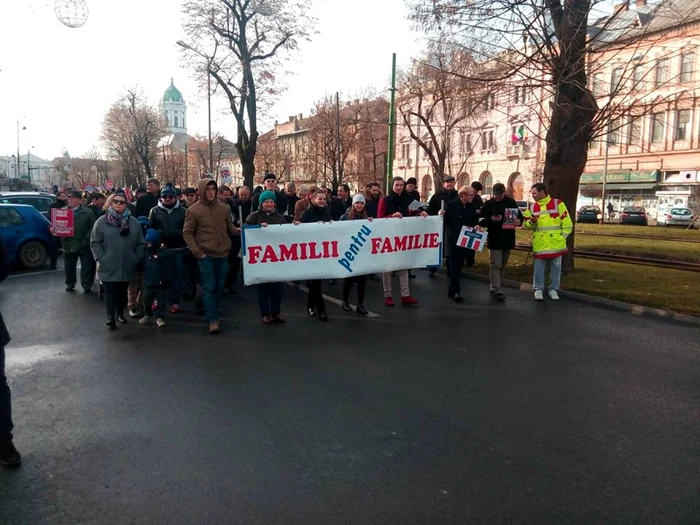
x: 335, y: 250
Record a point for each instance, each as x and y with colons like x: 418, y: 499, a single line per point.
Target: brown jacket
x: 300, y: 207
x: 208, y: 225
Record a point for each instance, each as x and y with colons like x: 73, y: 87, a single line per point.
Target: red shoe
x: 388, y: 301
x: 175, y: 309
x: 408, y: 301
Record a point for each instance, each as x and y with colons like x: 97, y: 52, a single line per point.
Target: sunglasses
x: 169, y: 197
x: 115, y: 201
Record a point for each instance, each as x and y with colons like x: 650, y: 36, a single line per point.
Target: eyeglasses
x: 115, y: 201
x: 168, y: 197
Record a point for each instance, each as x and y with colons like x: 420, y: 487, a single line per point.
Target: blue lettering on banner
x: 358, y: 241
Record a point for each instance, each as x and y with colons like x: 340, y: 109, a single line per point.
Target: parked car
x: 676, y: 217
x: 39, y: 199
x: 591, y: 214
x: 25, y: 234
x: 634, y: 215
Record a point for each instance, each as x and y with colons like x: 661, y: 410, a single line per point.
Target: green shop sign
x: 627, y: 176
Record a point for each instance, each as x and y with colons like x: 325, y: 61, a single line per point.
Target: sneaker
x: 553, y: 295
x: 214, y: 327
x: 347, y: 307
x: 408, y: 301
x: 135, y: 313
x: 70, y: 288
x: 323, y: 316
x: 175, y: 309
x: 160, y: 322
x: 121, y: 318
x: 9, y: 456
x: 278, y: 318
x: 539, y: 296
x: 499, y: 296
x: 361, y: 310
x: 388, y: 301
x: 146, y: 319
x: 266, y: 319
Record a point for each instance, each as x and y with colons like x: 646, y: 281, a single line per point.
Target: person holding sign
x: 77, y: 246
x: 356, y: 211
x: 317, y: 212
x: 458, y: 213
x: 500, y: 215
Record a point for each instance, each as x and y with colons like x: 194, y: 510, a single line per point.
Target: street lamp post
x: 605, y: 169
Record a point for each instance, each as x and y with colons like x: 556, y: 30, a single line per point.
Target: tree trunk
x: 248, y: 167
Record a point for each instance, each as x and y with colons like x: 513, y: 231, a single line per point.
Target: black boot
x: 9, y: 457
x: 111, y: 322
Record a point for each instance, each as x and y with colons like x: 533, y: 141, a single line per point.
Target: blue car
x: 24, y: 232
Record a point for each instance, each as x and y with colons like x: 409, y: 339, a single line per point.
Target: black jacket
x: 435, y: 201
x: 291, y: 203
x: 247, y: 207
x: 499, y: 239
x: 280, y: 202
x: 456, y: 216
x: 337, y: 208
x: 96, y: 210
x: 169, y: 224
x: 316, y: 214
x: 391, y: 204
x: 4, y: 271
x: 145, y: 204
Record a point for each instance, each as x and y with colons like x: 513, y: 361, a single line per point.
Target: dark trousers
x: 270, y: 298
x: 160, y: 294
x: 315, y: 298
x: 455, y: 262
x: 190, y: 270
x: 87, y: 269
x: 234, y: 262
x: 53, y: 250
x: 175, y: 289
x: 116, y: 297
x: 361, y: 281
x: 6, y: 425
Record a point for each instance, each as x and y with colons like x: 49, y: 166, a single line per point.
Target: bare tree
x: 131, y: 131
x: 238, y: 43
x: 222, y: 149
x: 272, y: 157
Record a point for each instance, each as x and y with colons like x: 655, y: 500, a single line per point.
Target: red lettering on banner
x: 434, y: 240
x: 303, y: 256
x: 400, y: 243
x: 254, y: 253
x: 405, y: 243
x: 410, y: 242
x: 386, y: 246
x: 313, y: 254
x: 289, y: 253
x: 418, y: 244
x: 376, y: 242
x: 270, y: 255
x: 334, y: 245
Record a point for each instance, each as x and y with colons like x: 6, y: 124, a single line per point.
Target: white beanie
x: 359, y: 198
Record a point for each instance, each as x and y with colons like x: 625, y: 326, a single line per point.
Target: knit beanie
x: 359, y: 198
x: 267, y: 195
x: 152, y: 236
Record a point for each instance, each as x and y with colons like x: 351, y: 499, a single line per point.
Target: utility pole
x: 392, y: 125
x: 338, y: 143
x: 17, y: 161
x: 211, y: 149
x: 605, y: 170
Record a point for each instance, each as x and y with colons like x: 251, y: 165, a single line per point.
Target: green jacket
x: 83, y: 221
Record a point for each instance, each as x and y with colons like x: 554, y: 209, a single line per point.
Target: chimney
x: 356, y: 101
x: 641, y: 3
x: 347, y: 104
x: 300, y: 116
x: 622, y: 6
x: 291, y: 118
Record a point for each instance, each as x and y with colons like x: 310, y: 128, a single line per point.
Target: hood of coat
x: 171, y: 209
x: 201, y: 189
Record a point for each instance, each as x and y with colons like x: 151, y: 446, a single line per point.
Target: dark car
x: 634, y: 215
x: 25, y: 234
x: 39, y: 199
x: 591, y: 214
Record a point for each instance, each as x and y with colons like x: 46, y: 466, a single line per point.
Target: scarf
x: 119, y: 221
x: 169, y: 210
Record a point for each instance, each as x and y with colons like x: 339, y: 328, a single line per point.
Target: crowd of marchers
x: 151, y: 250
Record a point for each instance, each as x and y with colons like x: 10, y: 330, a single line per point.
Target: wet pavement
x: 477, y: 413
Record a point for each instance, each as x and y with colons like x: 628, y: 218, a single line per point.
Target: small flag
x: 471, y: 239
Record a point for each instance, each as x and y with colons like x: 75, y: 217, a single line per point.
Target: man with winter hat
x: 270, y: 183
x: 206, y: 232
x: 78, y: 246
x: 168, y: 219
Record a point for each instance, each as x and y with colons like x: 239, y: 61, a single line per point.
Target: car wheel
x: 32, y: 255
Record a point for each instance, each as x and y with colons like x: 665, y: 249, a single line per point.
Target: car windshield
x: 680, y: 211
x: 635, y: 209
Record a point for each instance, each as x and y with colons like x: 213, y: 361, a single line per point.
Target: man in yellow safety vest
x: 552, y: 224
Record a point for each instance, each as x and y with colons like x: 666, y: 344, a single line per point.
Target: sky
x: 59, y: 82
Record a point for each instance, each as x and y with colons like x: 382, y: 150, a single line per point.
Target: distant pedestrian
x: 344, y: 197
x: 117, y: 244
x: 269, y: 294
x: 145, y: 203
x: 357, y: 211
x: 552, y: 225
x: 373, y: 194
x: 446, y: 194
x: 270, y: 183
x: 241, y: 208
x: 159, y: 273
x: 290, y: 191
x: 317, y: 212
x: 97, y: 203
x: 207, y: 228
x: 61, y: 202
x: 78, y: 246
x: 478, y: 188
x: 9, y: 456
x: 500, y: 241
x: 303, y: 203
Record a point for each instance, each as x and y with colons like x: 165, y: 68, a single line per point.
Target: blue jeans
x: 175, y: 290
x: 554, y: 271
x: 270, y: 298
x: 213, y: 270
x: 5, y: 403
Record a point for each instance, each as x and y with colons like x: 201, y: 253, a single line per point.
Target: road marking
x: 34, y: 273
x: 332, y: 299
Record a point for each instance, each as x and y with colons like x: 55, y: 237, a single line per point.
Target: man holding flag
x: 458, y: 213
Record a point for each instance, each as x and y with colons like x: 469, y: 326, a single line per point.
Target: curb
x: 634, y: 309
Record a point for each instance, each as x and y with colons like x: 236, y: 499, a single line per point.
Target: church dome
x: 172, y: 94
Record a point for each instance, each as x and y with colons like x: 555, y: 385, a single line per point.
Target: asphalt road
x: 481, y: 413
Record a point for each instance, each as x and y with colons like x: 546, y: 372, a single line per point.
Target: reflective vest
x: 552, y: 228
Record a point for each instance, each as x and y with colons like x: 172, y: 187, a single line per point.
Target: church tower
x: 174, y: 109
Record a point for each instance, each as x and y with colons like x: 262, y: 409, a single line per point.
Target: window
x: 687, y: 66
x: 682, y: 124
x: 15, y: 218
x: 598, y: 84
x: 176, y: 121
x: 615, y: 132
x: 516, y: 95
x: 5, y: 221
x: 634, y: 137
x: 489, y: 101
x: 638, y: 77
x: 662, y: 69
x: 486, y: 140
x: 658, y: 122
x: 405, y: 150
x: 615, y: 80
